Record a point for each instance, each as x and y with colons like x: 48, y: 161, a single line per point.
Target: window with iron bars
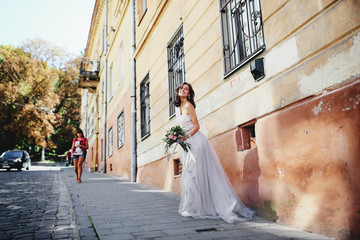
x: 176, y: 66
x: 110, y: 142
x: 242, y: 30
x: 145, y: 107
x: 121, y: 130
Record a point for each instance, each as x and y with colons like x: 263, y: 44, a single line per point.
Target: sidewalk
x: 106, y: 207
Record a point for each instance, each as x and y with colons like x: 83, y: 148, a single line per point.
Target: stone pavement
x: 109, y: 208
x: 34, y: 205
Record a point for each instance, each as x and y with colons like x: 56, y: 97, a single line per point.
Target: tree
x: 68, y: 109
x: 44, y: 51
x: 39, y: 99
x: 27, y: 96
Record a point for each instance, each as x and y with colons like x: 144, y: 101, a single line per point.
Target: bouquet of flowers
x: 173, y: 135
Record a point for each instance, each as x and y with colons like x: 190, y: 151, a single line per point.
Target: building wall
x: 301, y: 172
x: 95, y: 99
x: 165, y: 175
x: 301, y: 169
x: 118, y: 40
x: 309, y: 53
x: 308, y: 153
x: 151, y: 58
x: 119, y: 163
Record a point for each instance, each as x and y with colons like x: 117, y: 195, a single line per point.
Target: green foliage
x: 39, y: 103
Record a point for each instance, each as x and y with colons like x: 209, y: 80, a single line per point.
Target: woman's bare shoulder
x: 189, y: 107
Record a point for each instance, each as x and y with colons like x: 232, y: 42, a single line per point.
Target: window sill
x: 173, y: 115
x: 145, y: 136
x: 141, y: 17
x: 255, y: 54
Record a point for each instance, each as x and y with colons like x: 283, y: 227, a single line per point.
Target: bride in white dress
x: 206, y: 191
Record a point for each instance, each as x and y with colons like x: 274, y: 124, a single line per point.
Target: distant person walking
x: 78, y: 153
x: 68, y: 157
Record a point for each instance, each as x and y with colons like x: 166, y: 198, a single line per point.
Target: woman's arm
x: 72, y: 150
x: 86, y: 145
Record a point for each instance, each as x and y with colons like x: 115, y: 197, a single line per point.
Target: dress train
x: 206, y: 191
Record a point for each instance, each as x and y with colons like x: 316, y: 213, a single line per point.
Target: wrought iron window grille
x: 121, y: 130
x: 110, y: 142
x: 176, y: 66
x: 145, y: 107
x: 243, y: 34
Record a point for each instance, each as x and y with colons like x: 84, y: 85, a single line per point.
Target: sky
x: 63, y: 23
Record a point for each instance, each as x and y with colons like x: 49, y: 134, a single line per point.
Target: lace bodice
x: 183, y: 120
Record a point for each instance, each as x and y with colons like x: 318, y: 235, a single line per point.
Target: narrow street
x: 47, y: 203
x: 35, y: 205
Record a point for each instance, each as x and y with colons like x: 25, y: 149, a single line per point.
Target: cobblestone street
x: 35, y: 205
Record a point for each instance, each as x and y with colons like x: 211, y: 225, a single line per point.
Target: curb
x: 84, y: 228
x: 47, y: 164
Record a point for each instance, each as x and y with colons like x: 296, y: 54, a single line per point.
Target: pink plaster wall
x: 309, y: 156
x: 159, y: 174
x: 121, y: 158
x: 303, y: 171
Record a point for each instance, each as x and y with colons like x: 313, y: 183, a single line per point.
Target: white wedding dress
x: 206, y: 191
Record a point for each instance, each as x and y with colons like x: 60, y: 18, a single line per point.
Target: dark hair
x: 177, y: 101
x: 80, y: 131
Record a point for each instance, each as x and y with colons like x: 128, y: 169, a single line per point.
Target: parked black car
x: 15, y: 159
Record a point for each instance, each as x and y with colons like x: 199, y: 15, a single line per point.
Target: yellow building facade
x: 277, y: 88
x: 106, y: 110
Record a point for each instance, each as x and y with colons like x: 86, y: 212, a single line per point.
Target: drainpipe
x: 96, y: 133
x: 105, y: 86
x: 133, y: 95
x: 86, y: 114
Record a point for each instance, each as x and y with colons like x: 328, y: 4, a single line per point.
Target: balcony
x: 89, y: 74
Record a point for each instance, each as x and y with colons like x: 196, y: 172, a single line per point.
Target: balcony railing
x: 89, y: 74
